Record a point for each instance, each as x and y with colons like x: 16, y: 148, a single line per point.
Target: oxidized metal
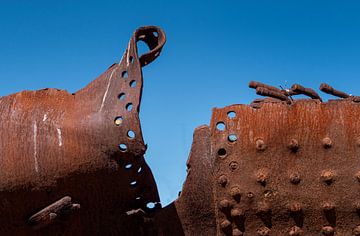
x: 72, y: 164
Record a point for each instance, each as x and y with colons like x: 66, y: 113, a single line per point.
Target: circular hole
x: 155, y: 34
x: 222, y: 152
x: 139, y: 170
x: 131, y: 134
x: 131, y: 59
x: 220, y: 126
x: 124, y: 74
x: 231, y: 114
x: 118, y: 121
x: 121, y: 96
x: 133, y: 183
x: 123, y: 147
x: 133, y: 83
x: 150, y: 205
x: 232, y: 138
x: 129, y: 106
x: 128, y: 166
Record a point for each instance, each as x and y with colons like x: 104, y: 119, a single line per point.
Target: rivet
x: 295, y: 178
x: 356, y: 231
x: 237, y: 232
x: 328, y: 230
x: 328, y: 177
x: 293, y: 145
x: 237, y: 213
x: 264, y: 231
x: 235, y: 193
x: 224, y: 204
x: 261, y: 177
x: 263, y: 208
x: 328, y: 206
x: 225, y: 224
x: 222, y: 180
x: 327, y: 143
x: 357, y: 176
x: 233, y: 165
x: 295, y: 207
x: 260, y: 145
x: 295, y: 231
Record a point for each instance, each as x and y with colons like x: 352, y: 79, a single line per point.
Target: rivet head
x: 293, y: 145
x: 328, y: 206
x: 328, y: 177
x: 261, y: 177
x: 260, y: 145
x: 295, y: 178
x: 237, y: 213
x: 235, y: 193
x: 356, y: 231
x: 327, y: 143
x: 233, y: 165
x: 263, y: 208
x: 224, y: 204
x: 296, y: 231
x: 225, y: 224
x: 264, y: 231
x: 357, y: 176
x: 328, y: 230
x: 295, y: 207
x: 222, y: 180
x: 250, y: 195
x: 237, y: 232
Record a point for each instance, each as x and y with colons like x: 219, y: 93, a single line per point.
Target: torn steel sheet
x: 85, y: 147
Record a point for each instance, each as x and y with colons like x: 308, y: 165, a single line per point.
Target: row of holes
x: 130, y: 134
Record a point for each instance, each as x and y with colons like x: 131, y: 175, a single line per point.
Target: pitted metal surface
x: 287, y: 169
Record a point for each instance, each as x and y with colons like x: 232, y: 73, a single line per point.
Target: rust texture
x: 87, y: 145
x: 73, y: 164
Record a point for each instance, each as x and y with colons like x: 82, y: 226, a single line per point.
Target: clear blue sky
x: 214, y: 49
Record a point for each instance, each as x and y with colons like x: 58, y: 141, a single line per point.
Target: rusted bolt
x: 295, y: 231
x: 237, y: 232
x: 264, y: 208
x: 356, y: 231
x: 293, y: 145
x: 327, y: 143
x: 260, y: 145
x: 357, y: 176
x: 295, y: 207
x: 328, y: 177
x: 264, y: 231
x: 261, y: 177
x: 328, y: 206
x: 237, y: 213
x: 295, y: 178
x: 233, y: 165
x: 225, y: 224
x: 235, y: 193
x: 224, y: 204
x: 328, y: 230
x: 222, y: 180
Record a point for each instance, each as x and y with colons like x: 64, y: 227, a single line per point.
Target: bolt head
x: 295, y: 178
x: 260, y: 145
x: 328, y: 177
x: 293, y: 145
x: 327, y: 143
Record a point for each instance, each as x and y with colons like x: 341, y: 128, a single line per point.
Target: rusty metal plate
x: 287, y: 169
x: 85, y: 147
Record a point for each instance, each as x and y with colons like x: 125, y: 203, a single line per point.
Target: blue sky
x: 214, y: 49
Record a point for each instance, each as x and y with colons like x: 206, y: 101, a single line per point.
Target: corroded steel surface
x: 87, y: 146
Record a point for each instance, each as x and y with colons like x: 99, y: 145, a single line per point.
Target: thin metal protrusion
x: 305, y: 91
x: 271, y: 93
x: 50, y: 213
x: 330, y: 90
